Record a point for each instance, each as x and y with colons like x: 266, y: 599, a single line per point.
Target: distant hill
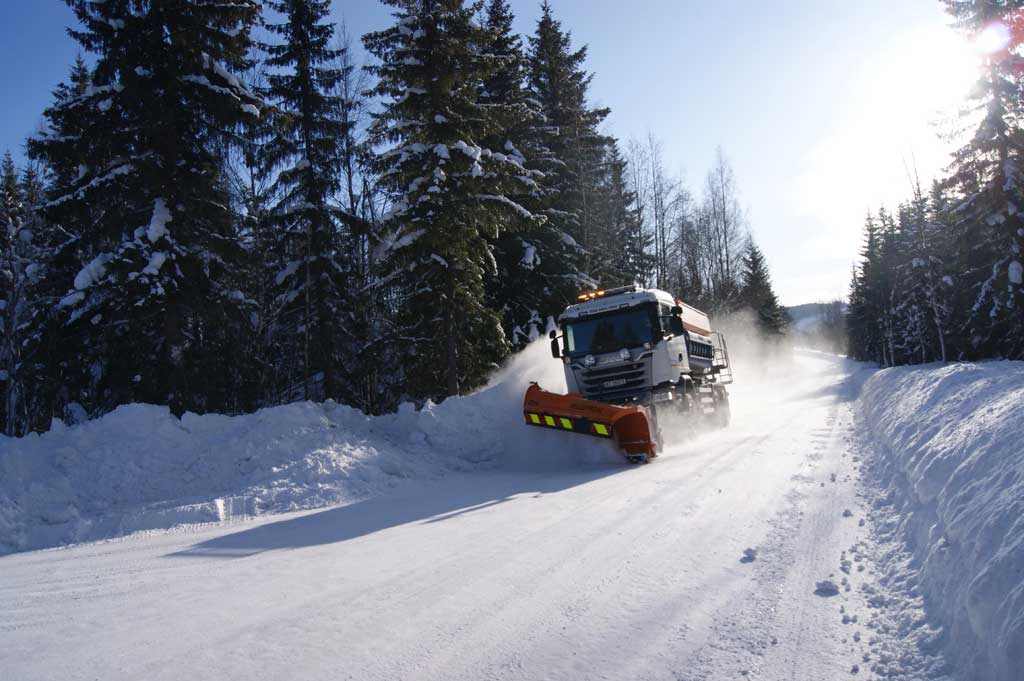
x: 820, y: 325
x: 807, y: 316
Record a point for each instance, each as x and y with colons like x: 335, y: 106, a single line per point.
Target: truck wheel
x: 659, y: 440
x: 687, y: 403
x: 723, y: 413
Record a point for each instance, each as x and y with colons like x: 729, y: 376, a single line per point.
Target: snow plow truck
x: 632, y: 355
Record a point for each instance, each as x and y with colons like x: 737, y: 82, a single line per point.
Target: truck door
x: 676, y: 334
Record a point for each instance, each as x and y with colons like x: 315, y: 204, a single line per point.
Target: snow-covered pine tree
x: 557, y: 79
x: 537, y: 261
x: 756, y: 293
x: 987, y: 175
x: 312, y: 323
x: 450, y: 193
x: 153, y: 312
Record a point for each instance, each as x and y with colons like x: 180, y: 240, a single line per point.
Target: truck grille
x: 617, y: 383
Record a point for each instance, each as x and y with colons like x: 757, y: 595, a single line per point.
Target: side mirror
x: 676, y: 324
x: 552, y: 334
x: 555, y: 351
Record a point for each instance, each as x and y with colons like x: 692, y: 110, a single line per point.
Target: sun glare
x: 995, y: 37
x: 899, y: 109
x: 897, y: 122
x: 924, y: 77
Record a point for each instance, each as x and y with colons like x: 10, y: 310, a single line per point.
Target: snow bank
x: 952, y: 457
x: 141, y: 468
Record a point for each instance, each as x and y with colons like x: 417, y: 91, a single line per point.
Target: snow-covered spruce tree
x: 857, y: 324
x: 312, y: 322
x: 63, y: 169
x: 890, y: 255
x: 373, y: 384
x: 25, y: 253
x: 250, y: 177
x: 12, y: 268
x: 44, y: 361
x: 870, y: 298
x: 153, y: 314
x: 538, y: 271
x: 559, y: 82
x: 873, y: 298
x: 48, y: 365
x: 987, y: 174
x: 450, y: 192
x: 756, y: 293
x: 620, y: 243
x: 912, y: 338
x: 922, y: 288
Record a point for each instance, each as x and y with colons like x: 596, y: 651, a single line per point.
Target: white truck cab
x: 634, y: 345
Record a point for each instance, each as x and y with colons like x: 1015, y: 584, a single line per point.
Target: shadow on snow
x: 432, y: 502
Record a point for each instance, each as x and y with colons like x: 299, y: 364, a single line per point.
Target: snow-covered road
x: 593, y: 572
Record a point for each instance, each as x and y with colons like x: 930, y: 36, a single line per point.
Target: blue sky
x: 821, y: 106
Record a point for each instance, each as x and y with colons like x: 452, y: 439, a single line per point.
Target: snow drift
x: 141, y: 468
x: 951, y: 451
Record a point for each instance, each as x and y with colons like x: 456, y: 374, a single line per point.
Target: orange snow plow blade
x: 573, y: 413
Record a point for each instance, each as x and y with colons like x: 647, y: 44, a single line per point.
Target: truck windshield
x: 626, y: 329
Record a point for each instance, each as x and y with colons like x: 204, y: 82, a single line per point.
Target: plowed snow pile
x: 141, y: 468
x: 950, y: 450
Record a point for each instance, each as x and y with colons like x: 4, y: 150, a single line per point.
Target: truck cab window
x: 609, y: 333
x: 671, y: 325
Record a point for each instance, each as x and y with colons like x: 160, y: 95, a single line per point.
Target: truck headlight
x: 663, y: 397
x: 589, y: 360
x: 624, y: 354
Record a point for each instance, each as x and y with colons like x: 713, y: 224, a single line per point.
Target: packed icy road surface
x: 592, y: 571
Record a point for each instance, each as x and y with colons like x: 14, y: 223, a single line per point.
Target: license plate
x: 614, y: 384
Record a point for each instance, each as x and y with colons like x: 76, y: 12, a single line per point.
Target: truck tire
x: 723, y: 413
x: 656, y: 415
x: 687, y: 392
